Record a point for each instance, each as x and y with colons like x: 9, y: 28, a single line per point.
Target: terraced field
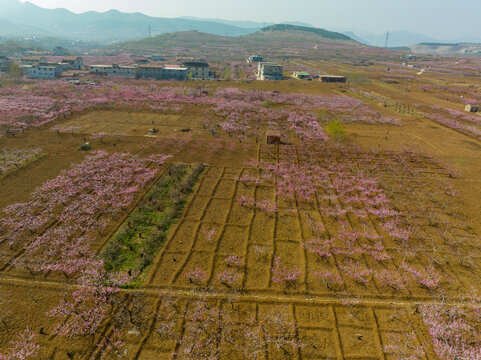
x: 360, y: 246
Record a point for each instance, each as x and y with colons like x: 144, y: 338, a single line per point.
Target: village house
x: 150, y: 71
x: 255, y: 59
x: 44, y: 71
x: 141, y: 60
x: 198, y: 69
x: 114, y: 70
x: 30, y: 60
x: 162, y: 72
x: 333, y: 79
x: 157, y: 58
x: 5, y: 63
x: 269, y: 71
x: 301, y: 75
x: 74, y: 62
x: 175, y: 72
x: 60, y: 51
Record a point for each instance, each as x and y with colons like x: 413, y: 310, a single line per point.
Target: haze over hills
x: 25, y: 19
x: 396, y: 38
x: 112, y: 25
x: 248, y: 24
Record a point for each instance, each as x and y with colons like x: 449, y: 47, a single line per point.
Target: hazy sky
x: 447, y: 19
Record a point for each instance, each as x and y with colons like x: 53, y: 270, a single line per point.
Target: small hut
x: 273, y: 137
x: 472, y: 108
x: 333, y: 79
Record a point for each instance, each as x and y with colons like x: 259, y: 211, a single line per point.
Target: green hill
x: 321, y: 32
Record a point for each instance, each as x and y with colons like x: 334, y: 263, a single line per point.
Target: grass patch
x: 134, y: 246
x: 335, y: 130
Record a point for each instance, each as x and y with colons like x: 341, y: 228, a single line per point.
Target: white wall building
x: 269, y: 71
x: 114, y: 70
x: 37, y: 71
x: 198, y: 69
x: 74, y: 62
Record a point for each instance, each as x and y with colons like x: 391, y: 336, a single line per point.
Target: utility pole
x: 150, y: 32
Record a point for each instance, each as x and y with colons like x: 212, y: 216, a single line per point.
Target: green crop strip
x: 138, y: 240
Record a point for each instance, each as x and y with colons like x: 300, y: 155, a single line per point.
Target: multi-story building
x: 74, y: 62
x: 197, y: 69
x: 114, y: 70
x: 269, y: 71
x: 162, y: 72
x: 41, y: 71
x: 5, y: 63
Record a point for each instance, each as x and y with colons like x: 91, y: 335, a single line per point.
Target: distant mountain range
x: 27, y: 19
x: 24, y: 19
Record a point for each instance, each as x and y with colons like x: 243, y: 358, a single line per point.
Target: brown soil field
x: 353, y: 321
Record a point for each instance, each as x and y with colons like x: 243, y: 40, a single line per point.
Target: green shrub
x: 84, y: 147
x: 268, y: 103
x: 335, y: 130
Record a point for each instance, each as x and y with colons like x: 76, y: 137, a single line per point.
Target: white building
x: 162, y: 72
x: 114, y: 70
x: 73, y: 62
x: 37, y: 71
x: 269, y: 71
x: 198, y: 69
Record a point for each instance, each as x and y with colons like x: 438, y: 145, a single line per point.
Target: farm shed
x: 472, y: 108
x: 301, y: 75
x: 273, y: 137
x: 333, y: 79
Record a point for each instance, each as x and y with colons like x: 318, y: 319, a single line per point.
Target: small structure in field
x: 333, y: 79
x: 273, y: 137
x: 300, y: 75
x: 152, y: 132
x: 269, y: 71
x: 472, y: 108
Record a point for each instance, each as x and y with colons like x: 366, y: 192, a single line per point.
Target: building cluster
x: 155, y: 70
x: 147, y: 67
x: 40, y: 68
